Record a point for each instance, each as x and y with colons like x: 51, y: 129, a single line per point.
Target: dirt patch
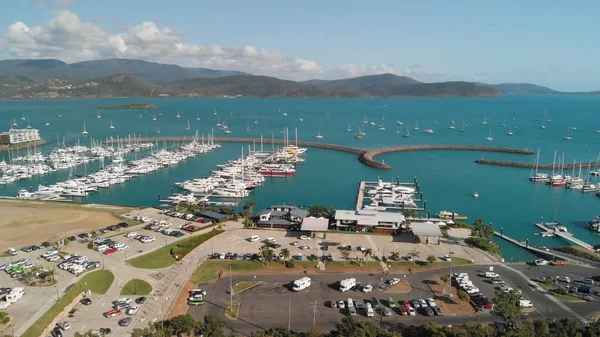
x: 180, y: 307
x: 452, y: 306
x: 400, y: 288
x: 25, y: 223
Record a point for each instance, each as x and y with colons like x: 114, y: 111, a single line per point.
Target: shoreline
x: 20, y: 146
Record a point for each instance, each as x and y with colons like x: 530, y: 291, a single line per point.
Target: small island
x: 129, y: 106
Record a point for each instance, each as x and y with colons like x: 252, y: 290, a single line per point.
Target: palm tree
x: 51, y: 273
x: 395, y: 255
x: 414, y: 253
x: 285, y: 253
x: 345, y: 254
x: 266, y: 252
x: 248, y: 211
x: 367, y: 254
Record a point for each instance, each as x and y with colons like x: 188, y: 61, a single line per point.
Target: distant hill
x: 127, y: 85
x: 389, y: 85
x: 41, y: 70
x: 523, y: 88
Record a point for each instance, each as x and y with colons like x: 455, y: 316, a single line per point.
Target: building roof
x: 293, y: 211
x: 315, y: 224
x: 213, y: 215
x: 297, y: 212
x: 276, y: 221
x: 368, y: 217
x: 426, y: 229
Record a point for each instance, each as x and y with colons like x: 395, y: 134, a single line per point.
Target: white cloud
x: 67, y: 38
x: 415, y: 71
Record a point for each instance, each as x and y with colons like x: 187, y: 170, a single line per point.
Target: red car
x: 406, y: 303
x: 109, y: 251
x: 113, y: 313
x: 403, y: 310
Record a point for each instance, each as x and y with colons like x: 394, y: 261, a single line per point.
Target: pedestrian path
x: 376, y: 253
x: 549, y: 296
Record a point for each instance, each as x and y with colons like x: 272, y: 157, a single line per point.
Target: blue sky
x: 544, y: 42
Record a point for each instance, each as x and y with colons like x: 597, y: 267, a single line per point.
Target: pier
x: 367, y: 156
x: 360, y: 199
x: 365, y: 186
x: 567, y: 236
x: 525, y: 245
x: 529, y: 165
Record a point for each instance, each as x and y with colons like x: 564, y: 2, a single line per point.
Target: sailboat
x: 510, y: 133
x: 318, y: 135
x: 47, y: 123
x: 452, y: 125
x: 188, y: 126
x: 484, y: 121
x: 84, y: 130
x: 178, y: 115
x: 300, y: 119
x: 542, y: 126
x: 359, y: 134
x: 111, y: 125
x: 23, y: 117
x: 29, y: 124
x: 543, y: 177
x: 398, y: 129
x: 407, y: 134
x: 365, y: 121
x: 283, y: 113
x: 14, y: 122
x: 218, y: 121
x: 399, y: 122
x: 248, y: 128
x: 215, y: 111
x: 327, y: 113
x: 416, y: 126
x: 464, y: 128
x: 154, y: 118
x: 255, y: 120
x: 197, y: 116
x: 140, y: 116
x: 381, y: 127
x: 157, y: 129
x: 568, y: 136
x: 490, y: 136
x: 98, y: 115
x: 349, y: 128
x: 435, y: 122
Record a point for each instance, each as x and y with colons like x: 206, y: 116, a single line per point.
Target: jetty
x: 566, y: 236
x: 549, y: 253
x: 360, y: 199
x: 365, y: 186
x: 528, y: 165
x: 367, y: 156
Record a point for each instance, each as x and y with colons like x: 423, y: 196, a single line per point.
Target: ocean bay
x: 448, y: 178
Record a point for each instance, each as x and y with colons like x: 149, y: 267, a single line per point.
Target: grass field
x: 136, y: 287
x: 97, y: 281
x: 232, y: 312
x: 244, y: 285
x: 162, y: 258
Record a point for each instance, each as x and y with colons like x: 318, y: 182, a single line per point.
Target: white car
x: 341, y: 304
x: 304, y: 237
x: 123, y: 247
x: 447, y: 258
x: 431, y: 302
x: 412, y: 311
x: 28, y: 265
x: 361, y: 248
x: 565, y: 279
x: 133, y: 310
x: 506, y: 289
x: 304, y: 247
x: 472, y: 290
x: 367, y: 289
x: 131, y: 235
x: 394, y: 281
x: 53, y: 258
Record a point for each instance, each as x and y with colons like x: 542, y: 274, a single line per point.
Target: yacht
x: 98, y: 115
x: 399, y: 123
x: 543, y: 126
x: 188, y: 128
x: 373, y: 123
x: 84, y: 130
x: 490, y: 136
x: 452, y: 126
x: 475, y: 195
x: 510, y: 133
x: 300, y: 119
x: 428, y: 131
x: 318, y: 135
x: 178, y: 115
x: 111, y: 125
x: 47, y: 123
x: 197, y: 116
x: 416, y: 126
x: 568, y: 136
x: 349, y: 128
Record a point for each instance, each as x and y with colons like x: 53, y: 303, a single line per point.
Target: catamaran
x: 318, y: 135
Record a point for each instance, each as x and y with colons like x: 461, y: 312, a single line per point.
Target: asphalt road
x: 272, y: 304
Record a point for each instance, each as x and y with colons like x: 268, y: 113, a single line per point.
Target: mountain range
x: 49, y: 78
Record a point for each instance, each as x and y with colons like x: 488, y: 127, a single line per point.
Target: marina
x: 394, y: 196
x: 539, y: 251
x: 561, y: 232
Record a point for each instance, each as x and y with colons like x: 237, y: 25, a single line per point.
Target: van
x: 525, y: 304
x: 11, y: 251
x: 253, y: 238
x: 102, y: 248
x: 491, y: 275
x: 350, y: 303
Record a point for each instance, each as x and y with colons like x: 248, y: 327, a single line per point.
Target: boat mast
x: 553, y: 162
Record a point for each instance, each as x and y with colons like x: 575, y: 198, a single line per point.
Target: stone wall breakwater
x: 366, y: 155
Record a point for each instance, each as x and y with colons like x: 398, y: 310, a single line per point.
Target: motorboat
x: 428, y: 131
x: 451, y: 215
x: 476, y: 195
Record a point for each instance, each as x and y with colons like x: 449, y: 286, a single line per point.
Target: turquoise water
x: 447, y: 178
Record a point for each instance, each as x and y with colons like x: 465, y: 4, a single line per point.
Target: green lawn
x: 244, y: 285
x: 162, y: 258
x: 136, y: 287
x: 567, y: 298
x: 98, y: 282
x: 233, y: 312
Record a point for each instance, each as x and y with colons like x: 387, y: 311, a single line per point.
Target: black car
x: 374, y: 303
x: 4, y: 291
x: 125, y: 321
x: 27, y: 249
x: 123, y: 224
x: 141, y: 300
x: 438, y: 311
x: 105, y: 331
x: 45, y: 244
x: 56, y: 332
x: 235, y: 256
x: 86, y: 301
x: 428, y: 311
x: 103, y: 230
x: 71, y: 238
x: 324, y: 247
x: 81, y: 235
x: 276, y: 246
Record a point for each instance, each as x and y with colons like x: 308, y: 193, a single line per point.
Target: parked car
x: 113, y: 313
x: 140, y: 300
x: 86, y: 301
x: 125, y: 321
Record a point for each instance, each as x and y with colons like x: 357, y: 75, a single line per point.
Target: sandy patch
x: 400, y: 288
x: 180, y: 307
x: 29, y: 223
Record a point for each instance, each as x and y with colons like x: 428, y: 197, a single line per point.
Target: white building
x: 368, y: 221
x: 16, y: 136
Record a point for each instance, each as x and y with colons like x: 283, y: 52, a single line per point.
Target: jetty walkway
x: 528, y: 165
x: 539, y: 251
x: 367, y: 156
x: 567, y: 236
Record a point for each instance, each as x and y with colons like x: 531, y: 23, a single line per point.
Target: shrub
x: 445, y: 278
x: 463, y: 295
x: 483, y: 244
x: 431, y: 259
x: 289, y: 264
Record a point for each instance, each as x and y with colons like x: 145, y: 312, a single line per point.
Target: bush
x: 431, y: 259
x: 483, y: 244
x: 289, y: 264
x: 463, y: 295
x: 445, y: 278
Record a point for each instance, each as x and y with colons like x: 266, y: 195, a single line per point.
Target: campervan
x: 301, y: 284
x: 347, y: 284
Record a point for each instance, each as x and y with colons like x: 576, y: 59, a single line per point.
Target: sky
x: 552, y: 43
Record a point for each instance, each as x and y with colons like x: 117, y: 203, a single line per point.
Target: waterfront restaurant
x: 368, y: 221
x: 281, y: 216
x: 16, y: 136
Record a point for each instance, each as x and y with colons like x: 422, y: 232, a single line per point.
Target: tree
x: 213, y: 327
x: 506, y: 304
x: 285, y: 253
x: 410, y: 213
x: 184, y: 324
x: 395, y: 256
x: 248, y: 212
x: 431, y: 259
x: 367, y: 253
x: 414, y: 253
x: 266, y: 252
x: 345, y: 254
x: 319, y: 211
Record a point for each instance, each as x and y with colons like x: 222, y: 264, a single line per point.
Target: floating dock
x: 365, y: 186
x: 536, y: 250
x: 567, y: 236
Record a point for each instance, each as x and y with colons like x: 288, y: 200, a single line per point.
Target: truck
x: 15, y: 294
x: 347, y: 284
x: 525, y: 303
x: 301, y: 284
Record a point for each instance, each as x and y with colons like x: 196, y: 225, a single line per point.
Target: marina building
x: 427, y: 232
x: 314, y: 227
x: 369, y: 221
x: 16, y: 136
x: 281, y: 216
x: 213, y: 216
